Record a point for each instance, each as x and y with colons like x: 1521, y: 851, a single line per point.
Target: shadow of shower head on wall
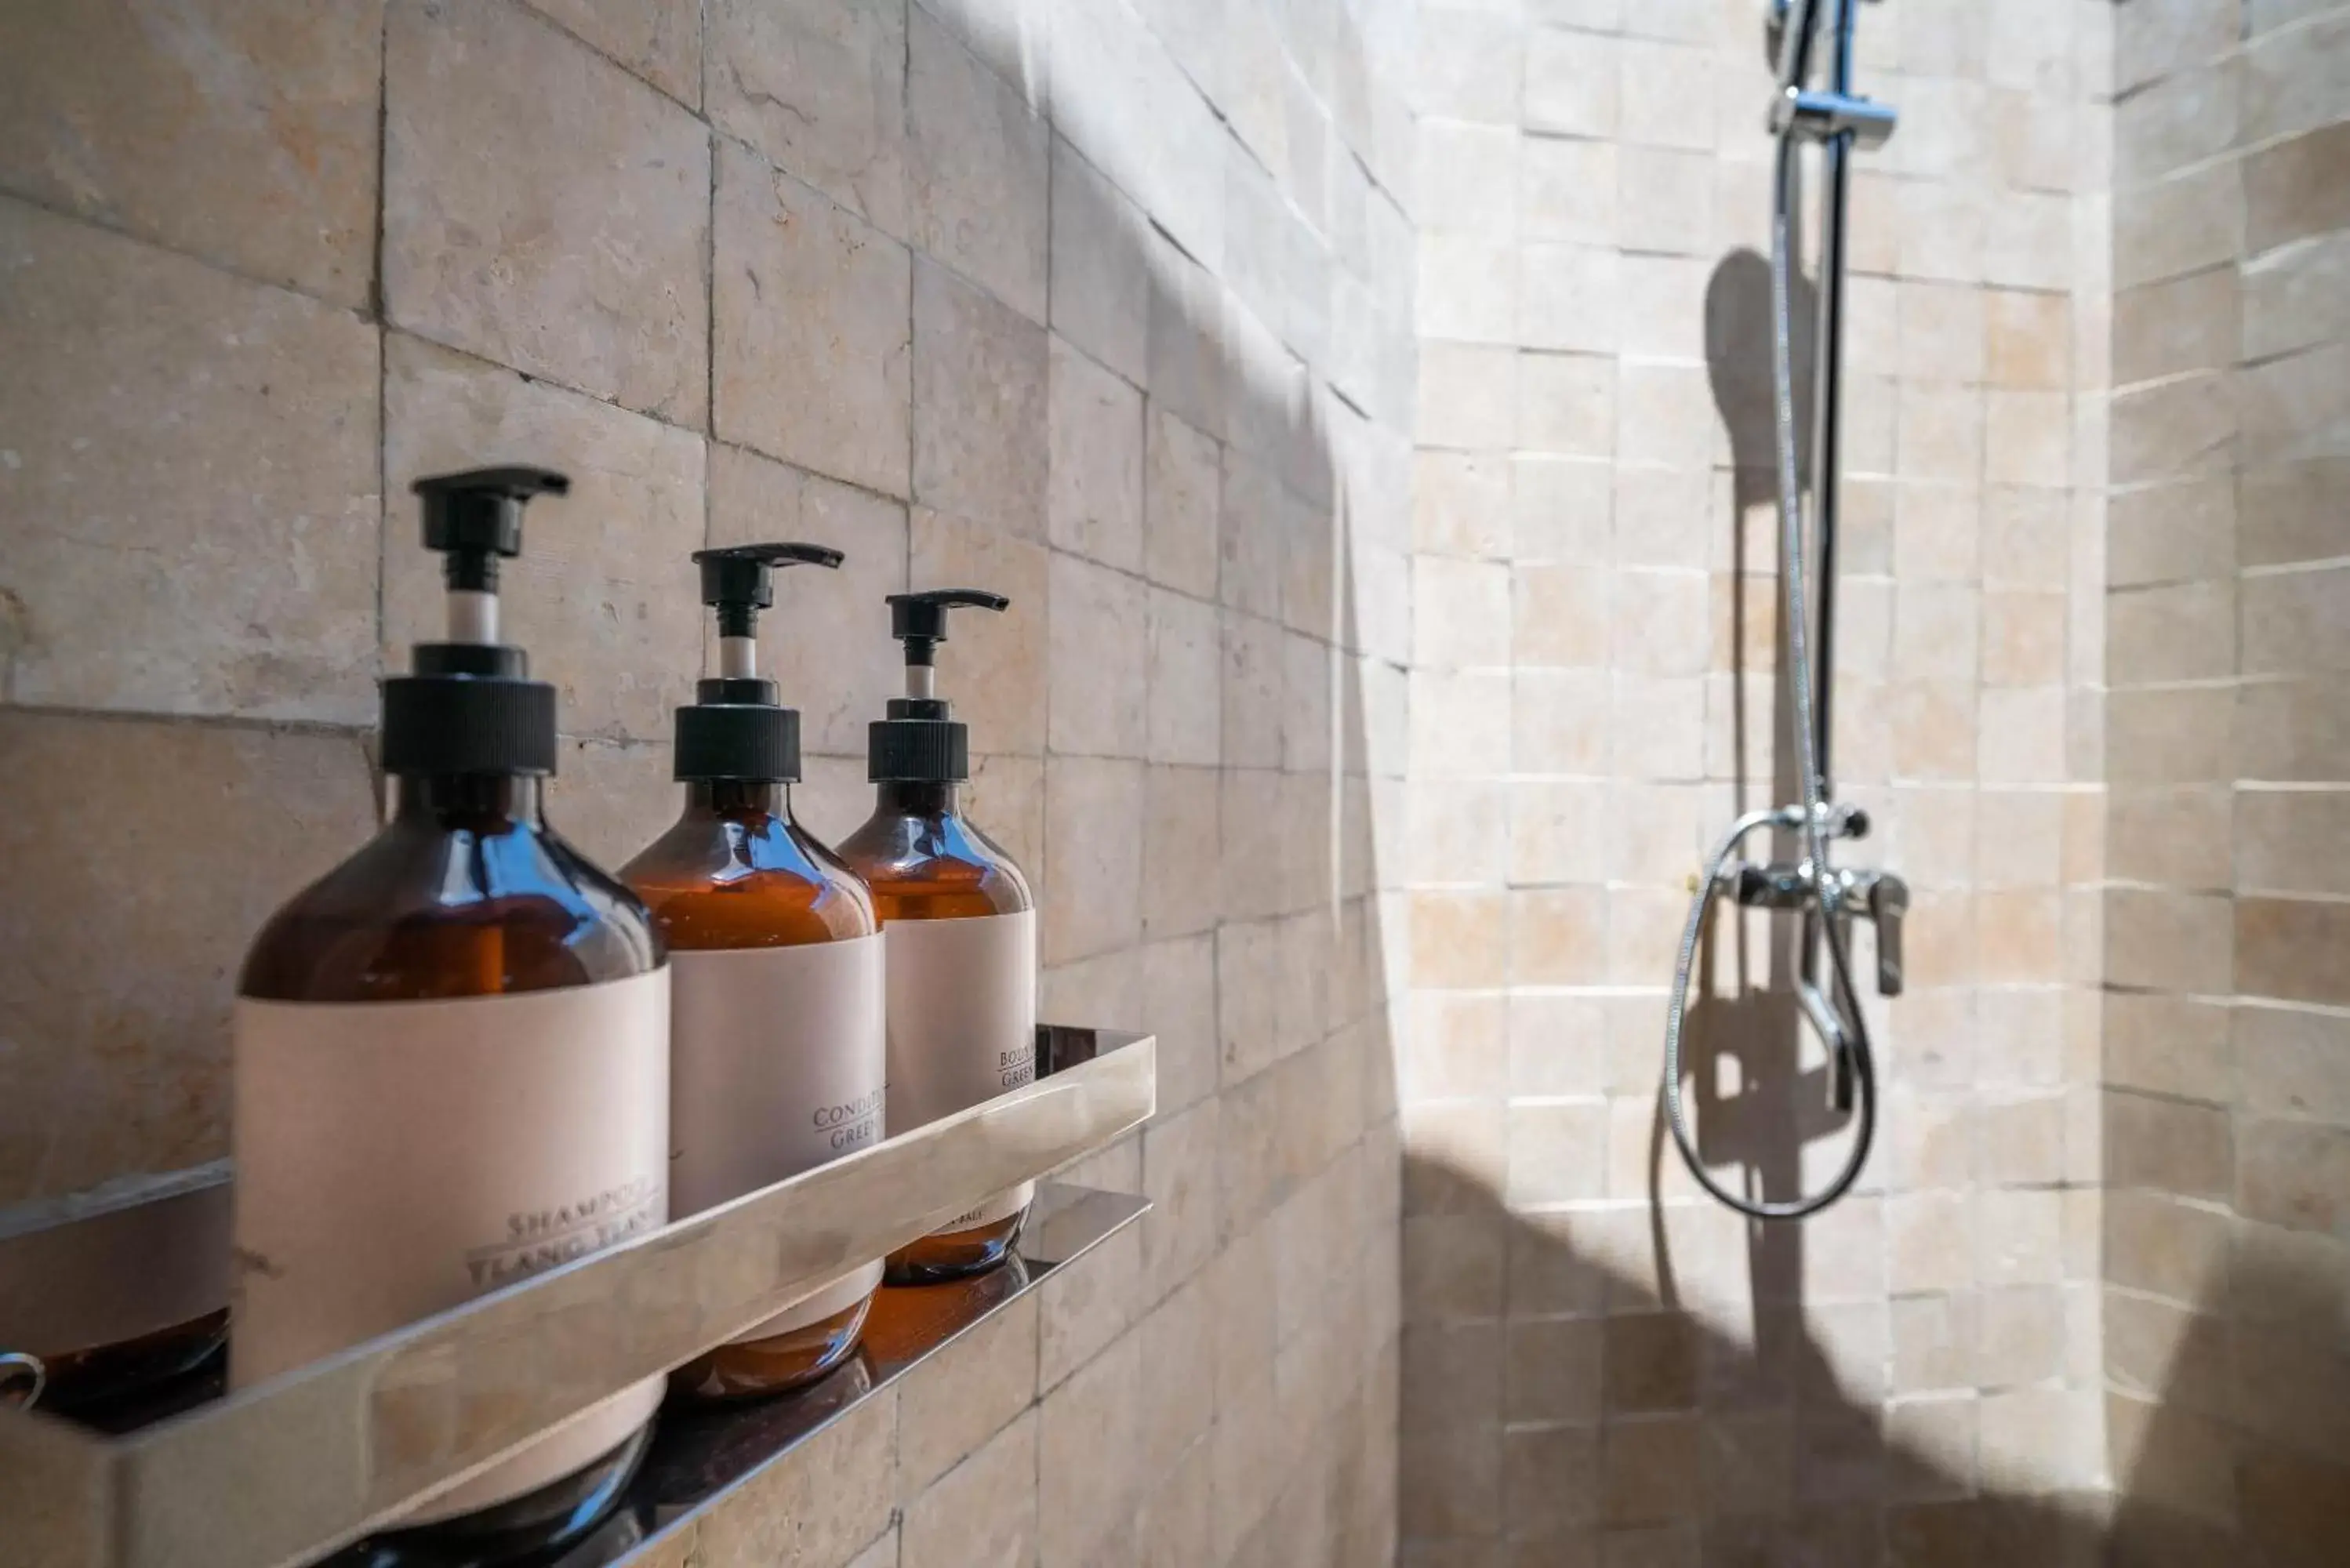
x: 1738, y: 368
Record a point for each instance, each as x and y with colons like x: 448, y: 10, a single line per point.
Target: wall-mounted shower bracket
x: 1816, y: 116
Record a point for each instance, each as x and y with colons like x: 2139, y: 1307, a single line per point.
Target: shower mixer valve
x: 1879, y: 896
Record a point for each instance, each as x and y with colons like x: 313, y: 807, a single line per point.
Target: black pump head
x: 919, y: 621
x: 920, y: 741
x: 739, y: 580
x: 475, y: 516
x: 467, y: 706
x: 735, y: 728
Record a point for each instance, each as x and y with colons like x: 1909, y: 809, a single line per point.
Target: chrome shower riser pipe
x: 1834, y: 119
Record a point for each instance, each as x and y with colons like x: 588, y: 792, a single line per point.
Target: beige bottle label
x: 962, y: 1025
x: 777, y: 1063
x: 396, y: 1159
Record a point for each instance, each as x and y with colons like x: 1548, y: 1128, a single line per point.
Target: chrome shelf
x: 282, y: 1473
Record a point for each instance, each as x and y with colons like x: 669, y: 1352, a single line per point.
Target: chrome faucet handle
x: 1888, y: 902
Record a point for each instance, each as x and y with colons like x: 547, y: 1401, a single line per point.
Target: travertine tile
x: 819, y: 90
x: 1556, y: 1152
x: 1176, y: 1523
x: 2027, y: 339
x: 2295, y: 188
x: 1467, y: 395
x: 660, y: 40
x: 1183, y: 680
x: 1092, y: 855
x: 1470, y: 68
x: 2293, y: 79
x: 1252, y: 689
x: 826, y: 1506
x: 604, y: 597
x: 1089, y: 1437
x: 2284, y: 949
x: 1100, y: 654
x: 230, y: 567
x: 1187, y: 336
x: 1571, y: 83
x: 1468, y: 177
x: 136, y: 120
x: 812, y: 338
x: 611, y: 801
x: 983, y: 1511
x: 580, y: 252
x: 1569, y: 190
x: 1566, y: 405
x: 2177, y: 325
x: 2292, y: 1063
x: 1100, y: 283
x: 1179, y: 1173
x: 2286, y: 513
x: 1460, y: 612
x: 1006, y: 793
x: 980, y: 405
x: 136, y: 1079
x: 977, y: 168
x: 1082, y: 1310
x: 954, y: 1402
x: 1094, y: 493
x: 1182, y: 486
x: 1182, y: 888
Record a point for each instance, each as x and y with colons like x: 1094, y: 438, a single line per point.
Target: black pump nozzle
x: 919, y: 621
x: 738, y: 580
x: 468, y: 706
x: 474, y: 517
x: 735, y: 728
x: 920, y: 741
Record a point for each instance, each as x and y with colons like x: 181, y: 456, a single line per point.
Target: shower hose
x: 1847, y: 1041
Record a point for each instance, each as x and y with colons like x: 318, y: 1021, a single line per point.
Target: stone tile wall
x: 2227, y: 1060
x: 1599, y: 1365
x: 1365, y: 413
x: 1103, y: 305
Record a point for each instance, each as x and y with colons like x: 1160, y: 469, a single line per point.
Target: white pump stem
x: 473, y: 615
x: 920, y: 680
x: 738, y: 658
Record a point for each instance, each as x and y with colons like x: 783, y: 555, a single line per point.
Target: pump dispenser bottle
x: 776, y: 1057
x: 452, y: 1059
x: 959, y: 929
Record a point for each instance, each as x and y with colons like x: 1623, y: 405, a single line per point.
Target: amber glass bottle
x: 442, y: 1046
x: 959, y: 929
x: 776, y: 1056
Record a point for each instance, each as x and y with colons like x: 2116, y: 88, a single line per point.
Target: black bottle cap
x: 468, y: 706
x: 735, y: 730
x: 919, y: 742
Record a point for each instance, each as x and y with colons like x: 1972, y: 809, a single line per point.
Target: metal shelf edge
x: 279, y: 1474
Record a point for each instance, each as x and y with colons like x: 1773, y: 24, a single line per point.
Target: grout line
x: 379, y: 301
x: 225, y: 267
